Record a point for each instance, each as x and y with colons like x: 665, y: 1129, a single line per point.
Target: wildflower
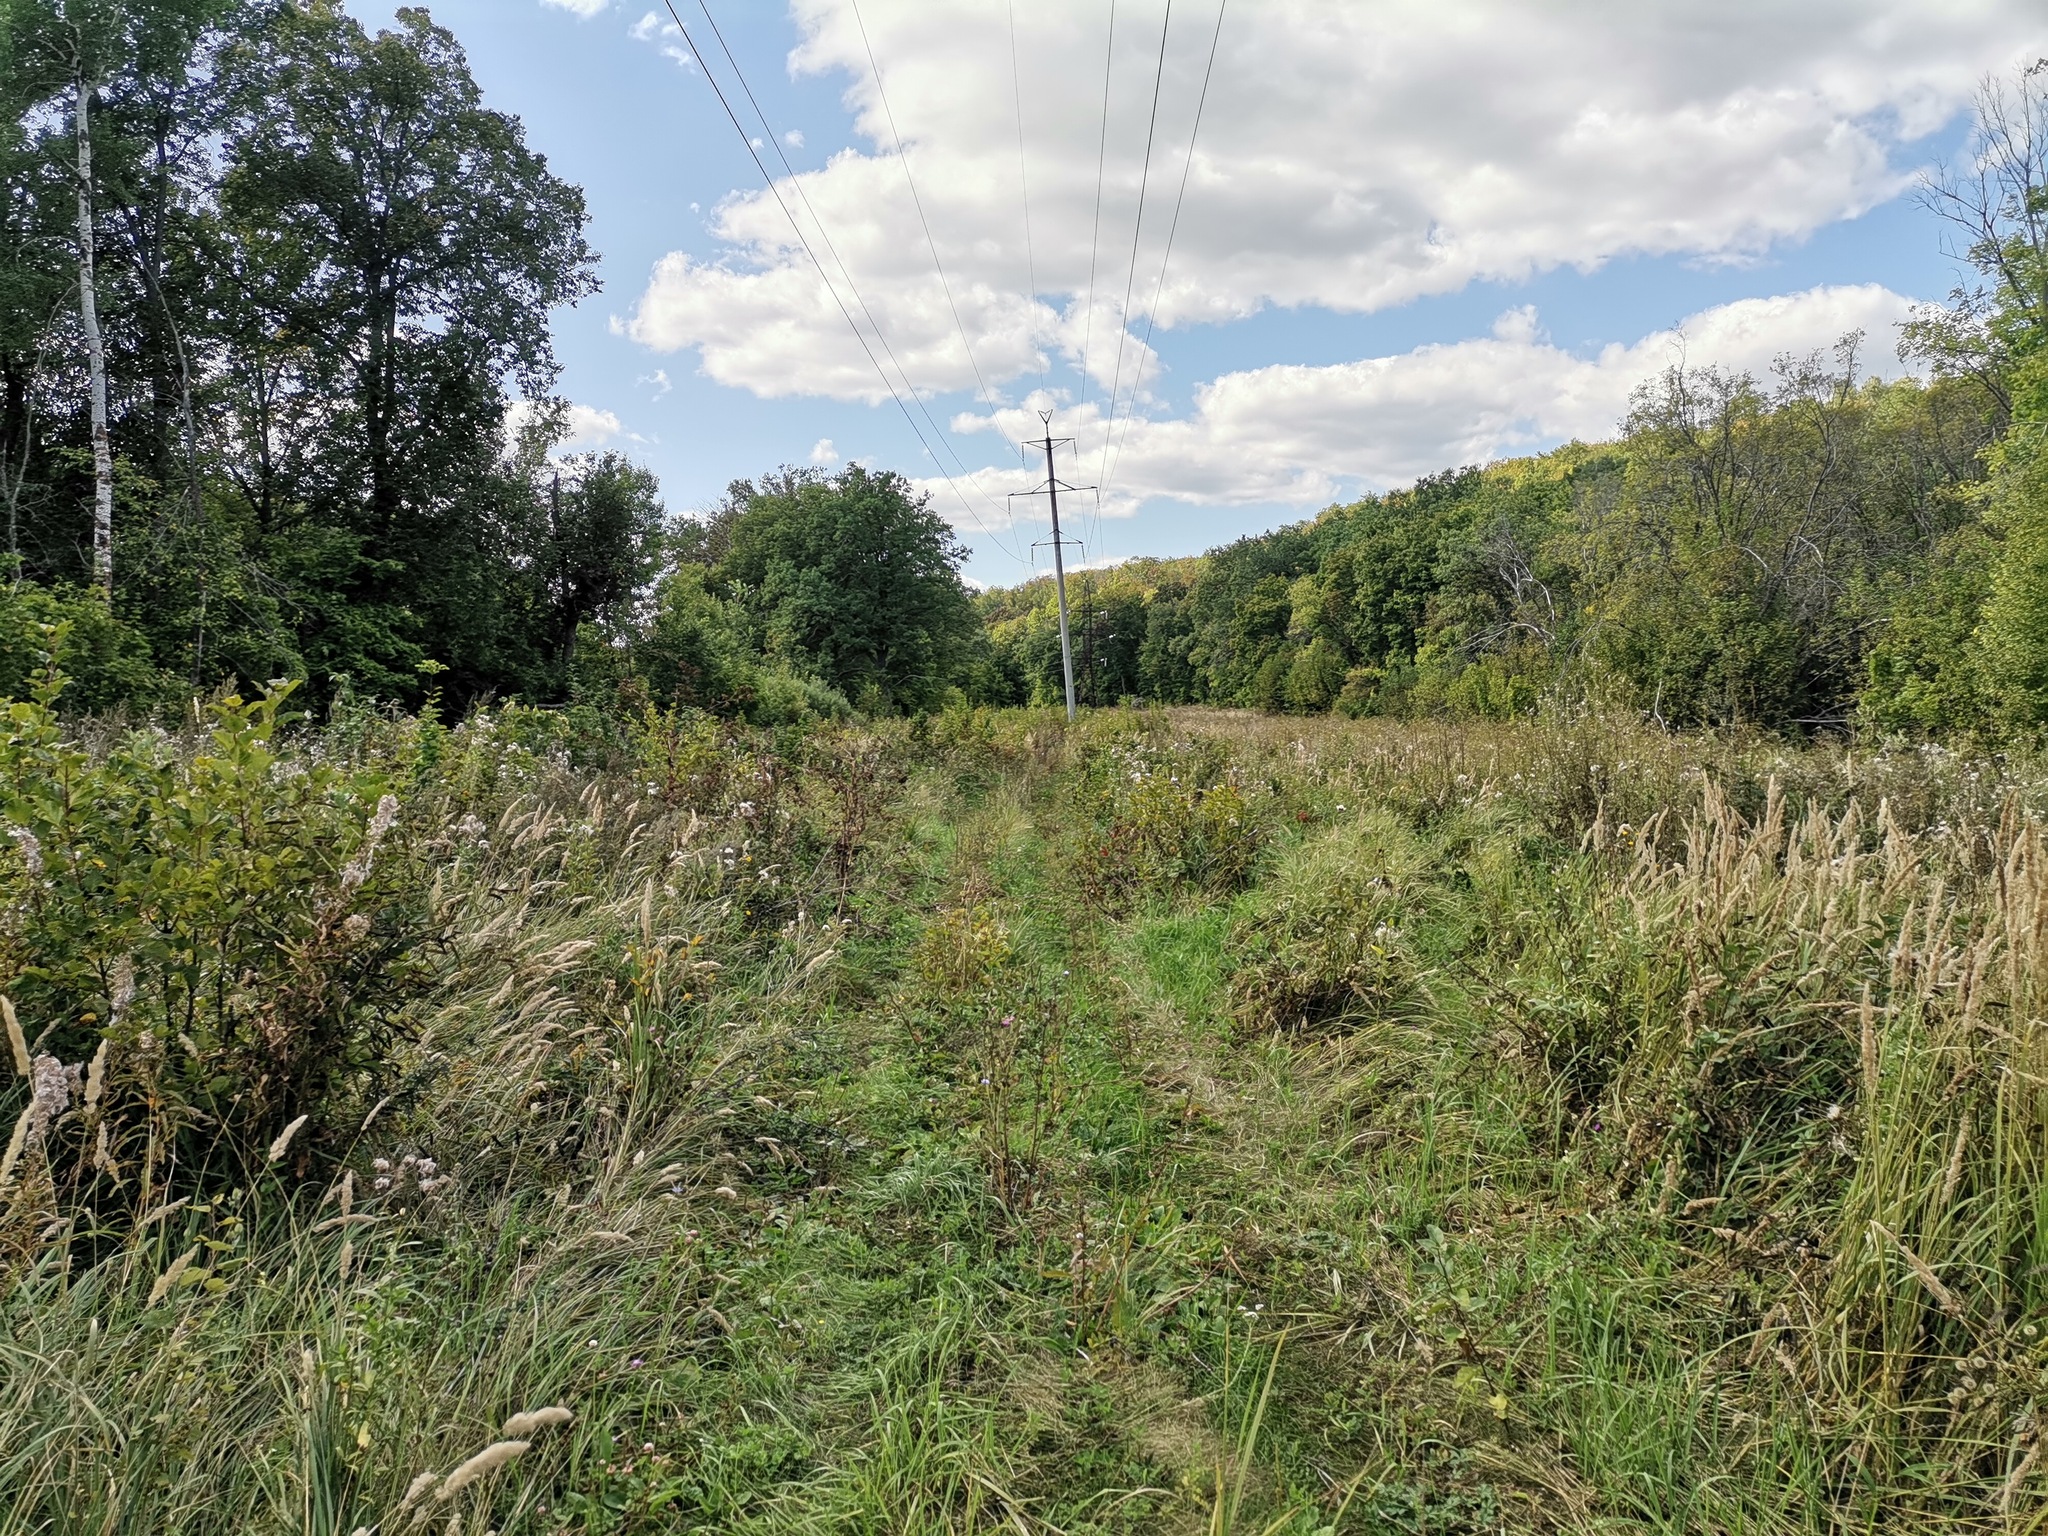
x: 357, y: 870
x: 31, y: 849
x: 123, y: 990
x: 51, y: 1084
x: 96, y: 1080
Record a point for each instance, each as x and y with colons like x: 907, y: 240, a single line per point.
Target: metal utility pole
x: 1051, y: 489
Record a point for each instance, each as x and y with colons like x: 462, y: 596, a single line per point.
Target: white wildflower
x: 122, y: 992
x: 51, y: 1084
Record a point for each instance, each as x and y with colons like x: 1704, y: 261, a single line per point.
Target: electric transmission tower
x: 1051, y: 490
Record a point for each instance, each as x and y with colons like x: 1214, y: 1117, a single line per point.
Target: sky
x: 1254, y: 256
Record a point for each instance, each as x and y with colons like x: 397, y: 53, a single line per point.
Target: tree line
x: 1815, y: 549
x: 276, y: 401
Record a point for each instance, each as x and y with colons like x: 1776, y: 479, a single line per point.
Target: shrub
x: 108, y: 656
x: 230, y: 939
x: 1166, y: 825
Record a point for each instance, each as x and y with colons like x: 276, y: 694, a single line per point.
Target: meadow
x: 1179, y: 1121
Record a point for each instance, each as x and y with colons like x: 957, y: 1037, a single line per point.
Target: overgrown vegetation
x: 1172, y: 1122
x: 622, y: 1036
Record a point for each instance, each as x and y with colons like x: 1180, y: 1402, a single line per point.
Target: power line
x: 1095, y: 236
x: 824, y: 277
x: 1095, y: 233
x: 903, y: 158
x: 1152, y: 314
x: 826, y: 235
x: 1023, y: 182
x: 1123, y: 328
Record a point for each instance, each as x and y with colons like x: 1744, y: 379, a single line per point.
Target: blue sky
x: 1414, y: 235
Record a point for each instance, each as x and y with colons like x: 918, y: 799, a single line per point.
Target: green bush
x: 108, y: 658
x: 1165, y: 825
x: 215, y: 942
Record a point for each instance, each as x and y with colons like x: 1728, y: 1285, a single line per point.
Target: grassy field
x: 1179, y: 1122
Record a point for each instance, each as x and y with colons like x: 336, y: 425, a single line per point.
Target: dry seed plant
x: 1174, y: 1122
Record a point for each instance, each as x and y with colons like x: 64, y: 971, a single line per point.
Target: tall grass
x: 1176, y: 1122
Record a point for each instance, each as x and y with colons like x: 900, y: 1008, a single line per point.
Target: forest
x: 304, y: 429
x: 1517, y: 1006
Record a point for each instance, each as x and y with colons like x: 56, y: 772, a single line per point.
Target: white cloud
x: 583, y: 8
x: 659, y: 379
x: 794, y: 138
x: 655, y: 28
x: 822, y: 452
x: 590, y: 427
x: 1353, y: 157
x: 1307, y: 435
x: 585, y: 427
x: 778, y: 331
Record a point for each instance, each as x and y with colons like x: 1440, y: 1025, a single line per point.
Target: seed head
x: 482, y: 1464
x: 523, y: 1426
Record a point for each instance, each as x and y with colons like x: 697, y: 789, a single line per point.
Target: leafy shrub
x: 108, y: 656
x: 230, y: 939
x: 1164, y: 825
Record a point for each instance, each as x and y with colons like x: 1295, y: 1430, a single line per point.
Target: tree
x: 604, y: 524
x: 408, y: 249
x: 1997, y: 333
x: 853, y: 577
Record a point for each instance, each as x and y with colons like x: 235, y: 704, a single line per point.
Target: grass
x: 1187, y: 1122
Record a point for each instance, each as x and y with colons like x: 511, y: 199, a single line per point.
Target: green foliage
x: 1734, y: 558
x: 852, y: 577
x: 1926, y: 674
x: 2014, y: 632
x: 1602, y: 1168
x: 1325, y: 946
x: 108, y: 660
x: 230, y: 936
x: 322, y: 259
x: 1162, y: 823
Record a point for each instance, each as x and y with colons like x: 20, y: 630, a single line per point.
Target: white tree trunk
x: 95, y: 360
